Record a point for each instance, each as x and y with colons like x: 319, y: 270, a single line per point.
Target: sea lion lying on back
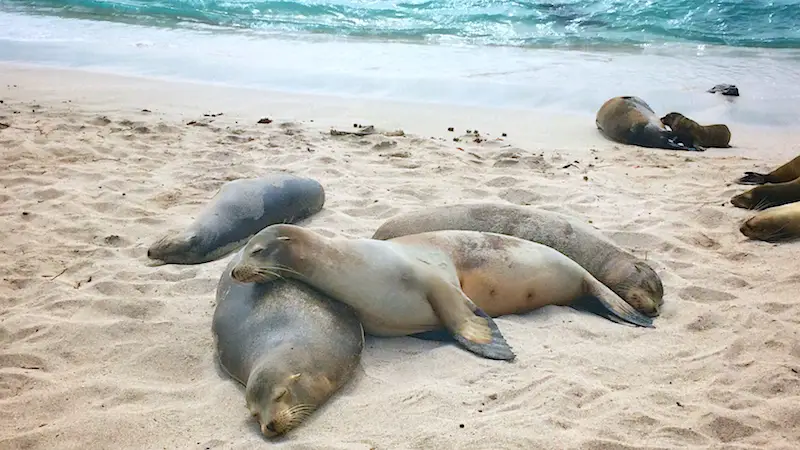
x: 629, y: 120
x: 689, y: 131
x: 787, y: 172
x: 628, y: 276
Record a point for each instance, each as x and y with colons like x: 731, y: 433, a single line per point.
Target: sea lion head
x: 265, y: 256
x: 752, y: 199
x: 671, y: 119
x: 279, y: 406
x: 769, y: 226
x: 175, y: 247
x: 640, y: 287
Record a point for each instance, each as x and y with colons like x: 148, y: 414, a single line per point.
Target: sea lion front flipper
x: 753, y: 178
x: 470, y: 326
x: 616, y: 304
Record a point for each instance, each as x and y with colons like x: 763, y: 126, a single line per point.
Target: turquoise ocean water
x: 751, y: 23
x: 565, y: 54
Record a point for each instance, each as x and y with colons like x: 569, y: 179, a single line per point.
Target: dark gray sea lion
x: 628, y: 276
x: 768, y: 195
x: 291, y: 346
x: 629, y: 120
x: 240, y: 209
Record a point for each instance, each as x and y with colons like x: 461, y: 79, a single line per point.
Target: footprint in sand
x: 705, y: 295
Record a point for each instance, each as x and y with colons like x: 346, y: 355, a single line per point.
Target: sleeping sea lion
x: 418, y: 283
x: 716, y: 135
x: 629, y: 120
x: 290, y: 345
x: 768, y: 195
x: 240, y: 209
x: 780, y: 223
x: 628, y: 276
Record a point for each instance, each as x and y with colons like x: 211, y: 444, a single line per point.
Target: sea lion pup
x: 628, y: 276
x: 716, y: 135
x: 768, y: 195
x: 418, y: 283
x: 291, y: 346
x: 780, y: 223
x: 629, y: 120
x: 240, y: 209
x: 787, y: 172
x: 396, y: 289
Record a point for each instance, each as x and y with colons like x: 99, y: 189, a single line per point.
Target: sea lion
x: 418, y: 283
x: 787, y: 172
x: 779, y: 223
x: 628, y: 276
x: 240, y: 209
x: 396, y: 290
x: 629, y: 120
x: 768, y: 195
x: 291, y: 346
x: 716, y: 135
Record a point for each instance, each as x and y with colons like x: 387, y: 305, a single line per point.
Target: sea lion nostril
x: 271, y: 427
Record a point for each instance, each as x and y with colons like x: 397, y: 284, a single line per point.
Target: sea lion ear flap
x: 285, y: 238
x: 294, y: 377
x: 191, y: 237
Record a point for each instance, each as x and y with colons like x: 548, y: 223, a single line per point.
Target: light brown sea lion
x: 290, y: 345
x: 716, y: 135
x: 418, y: 283
x: 768, y: 195
x: 780, y: 223
x: 787, y: 172
x: 628, y: 276
x: 629, y: 120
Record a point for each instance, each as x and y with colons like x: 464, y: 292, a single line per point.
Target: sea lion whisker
x: 261, y: 272
x: 775, y: 233
x: 286, y: 269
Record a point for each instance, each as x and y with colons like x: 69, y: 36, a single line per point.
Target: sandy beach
x: 99, y: 351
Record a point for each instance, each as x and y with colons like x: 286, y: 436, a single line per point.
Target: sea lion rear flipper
x: 470, y: 326
x: 617, y: 305
x: 753, y: 178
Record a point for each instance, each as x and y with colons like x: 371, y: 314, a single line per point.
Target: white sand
x: 99, y: 351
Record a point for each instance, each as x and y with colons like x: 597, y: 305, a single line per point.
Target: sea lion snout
x: 268, y: 429
x: 745, y: 228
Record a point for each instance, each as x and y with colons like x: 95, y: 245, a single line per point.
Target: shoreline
x: 186, y: 100
x: 571, y: 82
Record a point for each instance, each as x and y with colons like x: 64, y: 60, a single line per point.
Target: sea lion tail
x: 616, y: 305
x: 753, y: 178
